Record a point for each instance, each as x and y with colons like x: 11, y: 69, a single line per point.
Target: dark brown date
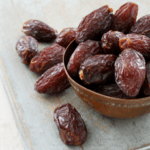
x: 27, y: 48
x: 112, y: 90
x: 97, y: 69
x: 47, y: 58
x: 54, y: 80
x: 39, y: 30
x: 95, y: 24
x: 72, y: 129
x: 130, y: 72
x: 142, y: 26
x: 146, y: 85
x: 138, y: 42
x: 125, y: 17
x: 110, y: 42
x: 83, y: 51
x: 66, y: 36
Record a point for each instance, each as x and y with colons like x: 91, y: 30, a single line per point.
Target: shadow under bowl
x: 109, y: 106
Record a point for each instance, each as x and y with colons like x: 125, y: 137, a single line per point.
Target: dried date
x: 95, y: 24
x: 110, y: 42
x: 138, y: 42
x: 47, y: 58
x: 72, y: 129
x: 97, y: 69
x: 83, y: 51
x: 39, y: 30
x: 54, y: 80
x: 130, y: 72
x: 142, y: 26
x: 112, y: 90
x: 146, y: 85
x: 66, y: 36
x: 27, y: 48
x: 125, y: 17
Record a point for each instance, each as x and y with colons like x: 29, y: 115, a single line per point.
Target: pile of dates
x: 112, y: 58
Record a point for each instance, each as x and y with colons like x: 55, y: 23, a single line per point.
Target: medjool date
x: 125, y: 17
x: 72, y: 129
x: 83, y: 51
x: 54, y: 80
x: 130, y: 71
x: 66, y: 36
x: 47, y: 58
x: 97, y: 69
x: 27, y: 48
x: 95, y: 24
x: 39, y: 30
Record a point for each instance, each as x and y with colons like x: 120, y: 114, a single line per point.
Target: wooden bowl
x: 109, y: 106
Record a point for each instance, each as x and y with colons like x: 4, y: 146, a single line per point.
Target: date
x: 66, y: 36
x: 27, y: 48
x: 97, y: 69
x: 110, y: 42
x: 95, y: 24
x: 130, y: 72
x: 39, y: 30
x: 112, y: 90
x: 142, y: 26
x: 47, y: 58
x: 137, y: 42
x: 125, y: 17
x: 146, y: 85
x: 72, y: 129
x: 83, y: 51
x: 54, y: 80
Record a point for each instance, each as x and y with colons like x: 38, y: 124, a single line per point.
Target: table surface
x: 33, y: 112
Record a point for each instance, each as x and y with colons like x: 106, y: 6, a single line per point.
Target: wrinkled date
x: 95, y: 24
x: 27, y: 48
x: 125, y: 17
x: 66, y: 36
x: 97, y: 69
x: 146, y: 85
x: 140, y: 43
x: 39, y: 30
x: 130, y: 72
x: 47, y: 58
x: 54, y: 80
x: 110, y: 42
x: 142, y: 26
x: 83, y: 51
x: 72, y: 129
x: 112, y: 90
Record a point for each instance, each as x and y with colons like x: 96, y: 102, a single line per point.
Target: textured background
x: 33, y: 113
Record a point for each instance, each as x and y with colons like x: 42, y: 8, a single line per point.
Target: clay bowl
x: 109, y: 106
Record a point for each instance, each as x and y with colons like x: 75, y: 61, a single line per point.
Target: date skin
x: 130, y: 72
x: 97, y: 69
x: 110, y: 42
x: 142, y: 26
x: 95, y: 24
x: 72, y: 129
x: 66, y: 36
x: 125, y: 17
x: 137, y: 42
x: 112, y: 90
x: 146, y: 85
x: 39, y: 30
x: 54, y: 80
x: 83, y: 51
x: 47, y: 58
x: 27, y: 48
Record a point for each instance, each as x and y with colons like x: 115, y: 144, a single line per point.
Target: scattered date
x: 27, y: 48
x: 72, y: 129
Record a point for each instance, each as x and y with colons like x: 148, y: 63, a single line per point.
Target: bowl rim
x: 145, y: 99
